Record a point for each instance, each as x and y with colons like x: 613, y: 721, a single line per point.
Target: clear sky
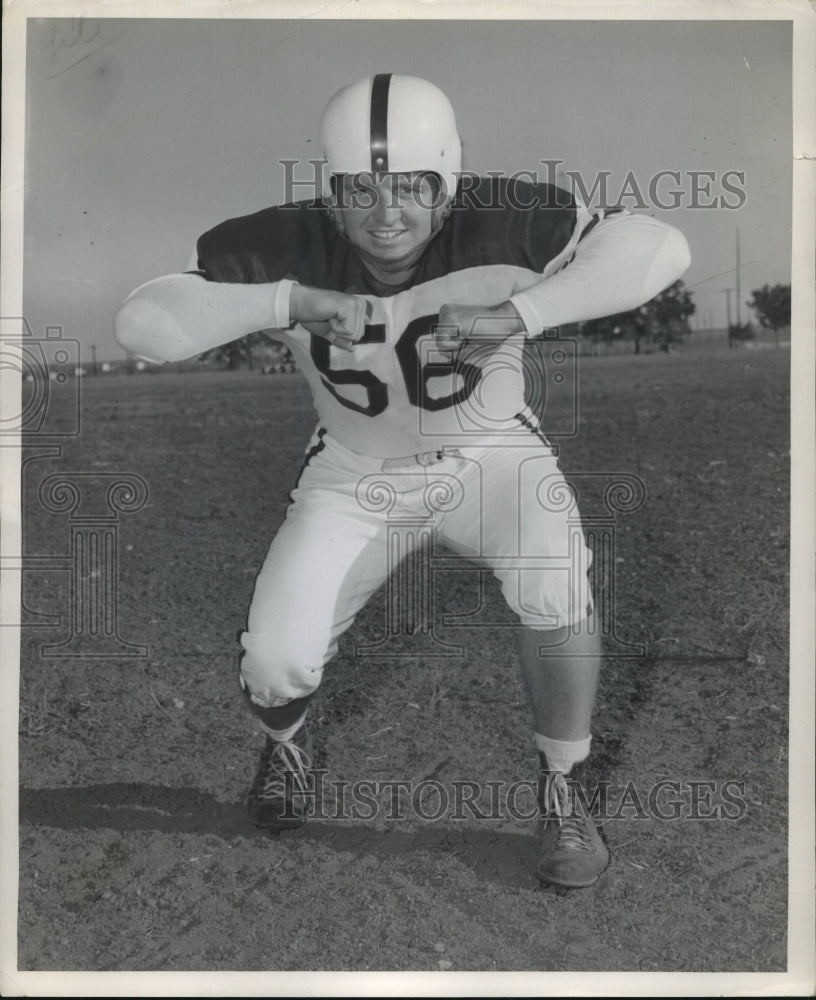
x: 141, y: 134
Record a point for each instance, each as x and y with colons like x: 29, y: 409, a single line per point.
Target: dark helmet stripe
x: 379, y: 122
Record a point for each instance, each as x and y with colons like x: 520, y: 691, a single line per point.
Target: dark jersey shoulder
x: 493, y: 221
x: 286, y: 241
x: 498, y: 220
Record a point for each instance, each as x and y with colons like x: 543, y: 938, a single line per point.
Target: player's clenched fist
x: 459, y: 324
x: 338, y: 317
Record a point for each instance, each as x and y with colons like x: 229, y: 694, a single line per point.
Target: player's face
x: 388, y: 217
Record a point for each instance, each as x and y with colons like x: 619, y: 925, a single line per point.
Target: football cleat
x: 280, y: 793
x: 572, y: 854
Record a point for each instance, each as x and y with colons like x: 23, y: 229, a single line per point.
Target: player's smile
x: 387, y: 234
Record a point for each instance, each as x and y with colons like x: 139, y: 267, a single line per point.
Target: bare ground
x: 135, y: 851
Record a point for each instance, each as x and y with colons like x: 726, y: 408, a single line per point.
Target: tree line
x: 663, y: 322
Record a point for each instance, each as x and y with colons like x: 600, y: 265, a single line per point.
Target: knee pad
x: 551, y: 596
x: 275, y: 669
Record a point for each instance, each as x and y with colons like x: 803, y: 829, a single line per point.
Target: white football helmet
x: 390, y: 123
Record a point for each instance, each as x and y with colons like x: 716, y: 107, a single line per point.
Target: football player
x: 405, y: 293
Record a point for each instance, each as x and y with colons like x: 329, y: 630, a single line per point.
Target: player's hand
x: 475, y: 325
x: 337, y: 317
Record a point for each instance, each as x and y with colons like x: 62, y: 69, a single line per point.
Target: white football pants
x: 504, y: 505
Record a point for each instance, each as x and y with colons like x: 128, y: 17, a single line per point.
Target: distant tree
x: 740, y: 332
x: 240, y: 352
x: 772, y: 305
x: 606, y: 330
x: 668, y: 315
x: 660, y: 323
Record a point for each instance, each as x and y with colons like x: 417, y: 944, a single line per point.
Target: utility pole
x: 739, y: 293
x: 727, y: 293
x: 94, y: 369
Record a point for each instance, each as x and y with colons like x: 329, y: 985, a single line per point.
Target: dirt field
x: 135, y: 849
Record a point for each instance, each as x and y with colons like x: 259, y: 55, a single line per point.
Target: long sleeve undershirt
x: 624, y: 262
x: 181, y: 315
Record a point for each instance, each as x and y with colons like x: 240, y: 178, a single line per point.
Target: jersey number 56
x: 415, y: 373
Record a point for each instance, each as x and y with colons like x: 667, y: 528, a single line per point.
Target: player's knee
x: 545, y: 603
x: 278, y: 668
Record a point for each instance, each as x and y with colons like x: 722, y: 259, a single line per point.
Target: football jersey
x: 394, y: 394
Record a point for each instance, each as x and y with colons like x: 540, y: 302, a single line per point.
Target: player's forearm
x: 625, y: 262
x: 181, y: 315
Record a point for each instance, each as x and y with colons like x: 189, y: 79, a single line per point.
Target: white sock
x: 281, y: 735
x: 562, y: 754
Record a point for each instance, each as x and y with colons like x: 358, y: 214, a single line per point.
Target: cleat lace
x: 286, y: 772
x: 571, y: 833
